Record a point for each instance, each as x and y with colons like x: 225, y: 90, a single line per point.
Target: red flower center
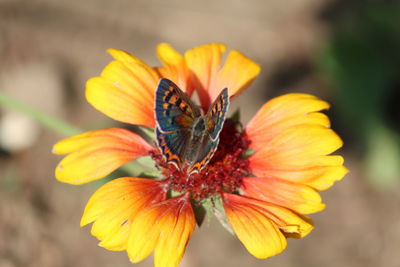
x: 222, y: 174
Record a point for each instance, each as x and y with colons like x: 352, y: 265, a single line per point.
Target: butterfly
x: 185, y: 137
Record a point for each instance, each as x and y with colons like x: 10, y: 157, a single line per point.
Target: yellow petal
x: 175, y: 234
x: 144, y: 234
x: 125, y: 90
x: 165, y: 227
x: 299, y: 154
x: 123, y: 56
x: 95, y: 154
x: 318, y: 177
x: 114, y: 206
x: 300, y: 142
x: 205, y: 62
x: 284, y: 112
x: 290, y: 223
x: 262, y: 226
x: 292, y: 141
x: 298, y: 197
x: 258, y: 233
x: 236, y: 74
x: 174, y: 68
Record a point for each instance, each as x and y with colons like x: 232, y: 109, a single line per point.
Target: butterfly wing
x: 206, y: 152
x: 215, y: 119
x: 175, y: 114
x: 173, y: 145
x: 173, y: 108
x: 216, y: 114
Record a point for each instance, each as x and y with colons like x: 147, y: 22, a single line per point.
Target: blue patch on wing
x: 173, y: 108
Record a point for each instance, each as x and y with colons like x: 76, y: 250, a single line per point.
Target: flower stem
x: 46, y: 120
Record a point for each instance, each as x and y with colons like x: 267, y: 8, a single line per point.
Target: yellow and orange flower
x: 265, y: 196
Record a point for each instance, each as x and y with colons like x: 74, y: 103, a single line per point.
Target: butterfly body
x: 186, y: 138
x: 198, y: 136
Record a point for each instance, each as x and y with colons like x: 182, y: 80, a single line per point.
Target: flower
x: 264, y: 177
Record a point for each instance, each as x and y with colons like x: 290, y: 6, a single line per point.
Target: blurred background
x: 346, y: 52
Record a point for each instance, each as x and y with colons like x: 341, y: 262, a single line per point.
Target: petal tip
x: 54, y: 149
x: 111, y: 51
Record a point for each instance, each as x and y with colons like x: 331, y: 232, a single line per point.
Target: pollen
x: 223, y: 173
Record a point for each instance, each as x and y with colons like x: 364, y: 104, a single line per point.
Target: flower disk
x: 223, y: 173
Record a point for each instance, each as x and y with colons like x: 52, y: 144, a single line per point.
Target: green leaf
x: 149, y: 132
x: 219, y: 213
x: 133, y: 168
x: 236, y: 116
x: 146, y: 162
x: 151, y: 173
x: 200, y: 212
x: 249, y: 152
x: 172, y: 193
